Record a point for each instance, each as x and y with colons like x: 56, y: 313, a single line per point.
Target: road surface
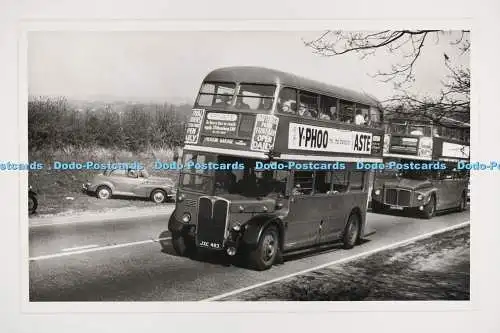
x: 121, y: 260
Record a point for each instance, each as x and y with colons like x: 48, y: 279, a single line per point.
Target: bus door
x: 304, y: 215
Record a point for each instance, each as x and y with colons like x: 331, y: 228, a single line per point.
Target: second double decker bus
x: 269, y: 166
x: 442, y: 186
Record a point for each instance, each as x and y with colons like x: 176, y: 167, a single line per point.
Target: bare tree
x: 454, y: 98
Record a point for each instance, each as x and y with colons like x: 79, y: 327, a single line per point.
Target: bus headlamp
x: 377, y: 192
x: 237, y: 227
x: 180, y: 196
x: 420, y: 197
x: 186, y: 217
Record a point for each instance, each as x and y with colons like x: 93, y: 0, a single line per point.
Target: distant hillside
x: 55, y: 122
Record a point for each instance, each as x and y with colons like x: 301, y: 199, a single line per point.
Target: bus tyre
x: 351, y: 233
x: 429, y: 208
x: 267, y: 250
x: 183, y: 245
x: 32, y: 203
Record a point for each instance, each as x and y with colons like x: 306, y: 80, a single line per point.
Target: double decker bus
x: 434, y: 182
x: 268, y: 166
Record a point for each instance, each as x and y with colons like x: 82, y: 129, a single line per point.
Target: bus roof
x: 416, y: 120
x: 262, y: 75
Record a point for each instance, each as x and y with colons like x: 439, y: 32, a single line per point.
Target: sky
x: 170, y: 65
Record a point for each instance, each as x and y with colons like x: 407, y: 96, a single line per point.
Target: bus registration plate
x: 396, y: 207
x: 211, y: 245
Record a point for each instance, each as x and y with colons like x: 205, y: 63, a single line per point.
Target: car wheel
x: 429, y: 209
x: 351, y: 232
x: 32, y: 204
x: 103, y: 192
x: 183, y: 245
x: 267, y: 250
x: 158, y: 196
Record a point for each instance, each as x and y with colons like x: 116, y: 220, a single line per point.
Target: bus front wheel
x: 429, y: 209
x: 267, y: 250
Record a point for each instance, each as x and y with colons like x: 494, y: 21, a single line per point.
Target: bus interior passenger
x: 224, y: 100
x: 240, y: 104
x: 266, y: 104
x: 359, y: 119
x: 305, y: 111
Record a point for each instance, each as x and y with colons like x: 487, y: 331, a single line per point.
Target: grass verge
x: 436, y: 268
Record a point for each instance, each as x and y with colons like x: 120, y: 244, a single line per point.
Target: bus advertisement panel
x: 408, y: 146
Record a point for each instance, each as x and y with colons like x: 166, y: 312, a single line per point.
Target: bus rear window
x: 217, y: 94
x: 255, y: 97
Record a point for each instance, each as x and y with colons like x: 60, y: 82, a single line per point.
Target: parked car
x: 134, y: 183
x: 32, y: 200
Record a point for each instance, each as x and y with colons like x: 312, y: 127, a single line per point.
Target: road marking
x: 79, y: 247
x: 95, y: 249
x: 107, y: 219
x: 356, y: 256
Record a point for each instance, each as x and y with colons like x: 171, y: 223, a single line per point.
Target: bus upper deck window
x: 328, y: 108
x: 308, y: 106
x: 217, y: 94
x: 255, y: 97
x: 364, y: 110
x: 374, y: 116
x: 398, y: 128
x: 287, y: 101
x: 346, y: 112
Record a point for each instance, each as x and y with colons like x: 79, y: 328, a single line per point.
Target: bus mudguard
x: 173, y: 224
x: 255, y: 227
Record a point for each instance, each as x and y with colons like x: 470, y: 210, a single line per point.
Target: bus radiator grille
x: 212, y: 215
